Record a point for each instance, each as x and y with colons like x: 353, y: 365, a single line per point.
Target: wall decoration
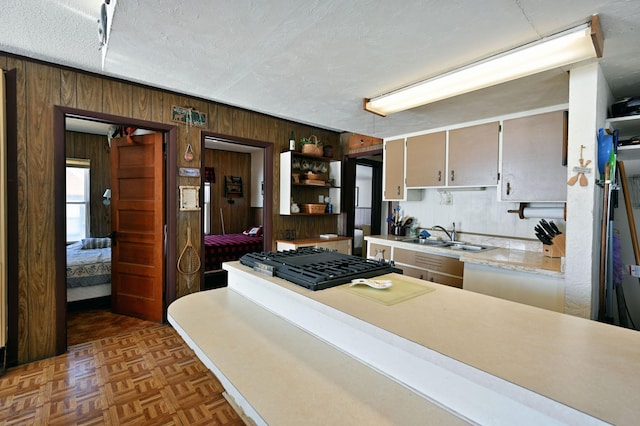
x: 188, y: 116
x: 189, y: 198
x: 189, y: 172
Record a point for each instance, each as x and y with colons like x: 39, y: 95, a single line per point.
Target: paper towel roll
x: 544, y: 212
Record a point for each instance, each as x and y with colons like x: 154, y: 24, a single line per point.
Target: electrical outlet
x: 446, y: 198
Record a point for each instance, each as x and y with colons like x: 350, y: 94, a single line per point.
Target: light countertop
x: 506, y: 258
x: 589, y: 366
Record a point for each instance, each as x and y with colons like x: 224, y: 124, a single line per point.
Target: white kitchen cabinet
x: 426, y: 158
x: 531, y: 289
x: 393, y: 163
x: 466, y: 156
x: 473, y: 155
x: 533, y: 149
x: 294, y: 167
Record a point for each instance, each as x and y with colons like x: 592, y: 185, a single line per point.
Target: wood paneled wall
x: 42, y: 86
x: 237, y: 215
x: 95, y: 148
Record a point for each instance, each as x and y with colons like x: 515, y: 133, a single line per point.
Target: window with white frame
x: 207, y: 208
x: 78, y: 199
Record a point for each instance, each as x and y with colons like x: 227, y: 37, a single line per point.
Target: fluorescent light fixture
x: 565, y: 48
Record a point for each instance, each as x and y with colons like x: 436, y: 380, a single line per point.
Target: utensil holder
x: 557, y: 249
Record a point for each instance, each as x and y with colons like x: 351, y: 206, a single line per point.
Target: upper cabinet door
x: 532, y: 158
x: 473, y: 155
x: 426, y: 160
x: 394, y: 170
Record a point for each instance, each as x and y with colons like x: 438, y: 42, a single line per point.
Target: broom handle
x: 603, y: 243
x: 222, y: 220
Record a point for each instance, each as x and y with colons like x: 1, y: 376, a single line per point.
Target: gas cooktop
x: 314, y: 268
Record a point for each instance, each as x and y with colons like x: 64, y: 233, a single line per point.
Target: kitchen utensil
x: 540, y: 230
x: 549, y: 230
x: 544, y: 239
x: 377, y: 284
x: 555, y: 228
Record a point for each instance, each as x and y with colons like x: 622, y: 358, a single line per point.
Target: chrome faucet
x: 451, y: 235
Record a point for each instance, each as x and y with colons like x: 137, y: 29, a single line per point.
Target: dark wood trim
x: 60, y: 113
x: 12, y: 216
x: 267, y: 205
x: 348, y: 191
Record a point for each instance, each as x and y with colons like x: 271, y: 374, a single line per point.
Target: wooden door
x: 137, y: 206
x: 473, y: 155
x: 426, y: 160
x: 394, y: 170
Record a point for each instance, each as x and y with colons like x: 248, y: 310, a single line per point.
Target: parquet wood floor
x: 91, y: 324
x: 145, y: 377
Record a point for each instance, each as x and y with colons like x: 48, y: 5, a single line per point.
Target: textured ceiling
x: 314, y: 61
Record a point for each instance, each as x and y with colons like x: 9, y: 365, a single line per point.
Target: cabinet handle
x: 439, y: 175
x: 421, y: 276
x: 453, y: 176
x: 398, y: 189
x: 508, y: 188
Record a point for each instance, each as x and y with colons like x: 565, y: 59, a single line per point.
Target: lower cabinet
x: 425, y: 266
x: 530, y: 289
x: 340, y: 244
x: 430, y: 267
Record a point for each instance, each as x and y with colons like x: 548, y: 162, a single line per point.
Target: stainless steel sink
x: 452, y: 245
x: 468, y: 247
x: 427, y: 242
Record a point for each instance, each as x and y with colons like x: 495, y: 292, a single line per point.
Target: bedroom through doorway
x: 237, y: 193
x: 90, y: 300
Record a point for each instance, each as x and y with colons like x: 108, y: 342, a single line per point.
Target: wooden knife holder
x: 557, y: 248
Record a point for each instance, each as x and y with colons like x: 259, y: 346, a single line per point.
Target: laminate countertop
x: 499, y: 358
x: 506, y: 258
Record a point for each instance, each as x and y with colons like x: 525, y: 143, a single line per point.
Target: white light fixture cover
x: 568, y: 47
x: 106, y: 197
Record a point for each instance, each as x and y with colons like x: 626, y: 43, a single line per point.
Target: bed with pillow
x: 89, y: 269
x: 230, y: 247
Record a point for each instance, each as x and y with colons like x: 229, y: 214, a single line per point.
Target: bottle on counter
x: 292, y: 142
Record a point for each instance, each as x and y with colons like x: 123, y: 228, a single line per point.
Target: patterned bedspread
x: 87, y: 267
x: 225, y: 248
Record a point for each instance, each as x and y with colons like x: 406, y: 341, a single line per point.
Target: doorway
x: 227, y: 218
x: 362, y: 197
x: 165, y: 285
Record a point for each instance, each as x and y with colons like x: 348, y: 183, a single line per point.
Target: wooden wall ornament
x: 189, y: 198
x: 188, y: 115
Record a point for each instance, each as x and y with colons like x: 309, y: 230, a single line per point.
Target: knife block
x: 557, y: 248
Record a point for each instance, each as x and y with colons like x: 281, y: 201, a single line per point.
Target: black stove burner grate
x: 316, y: 269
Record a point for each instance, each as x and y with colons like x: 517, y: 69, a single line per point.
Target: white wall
x: 472, y: 211
x: 364, y: 176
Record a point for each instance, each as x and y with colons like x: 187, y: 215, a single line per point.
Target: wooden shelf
x: 293, y: 187
x: 628, y: 127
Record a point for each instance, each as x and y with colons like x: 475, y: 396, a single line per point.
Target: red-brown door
x: 137, y: 206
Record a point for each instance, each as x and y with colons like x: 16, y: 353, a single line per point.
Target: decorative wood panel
x: 142, y: 99
x: 116, y: 98
x: 89, y: 92
x: 237, y: 216
x: 43, y: 84
x: 68, y: 88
